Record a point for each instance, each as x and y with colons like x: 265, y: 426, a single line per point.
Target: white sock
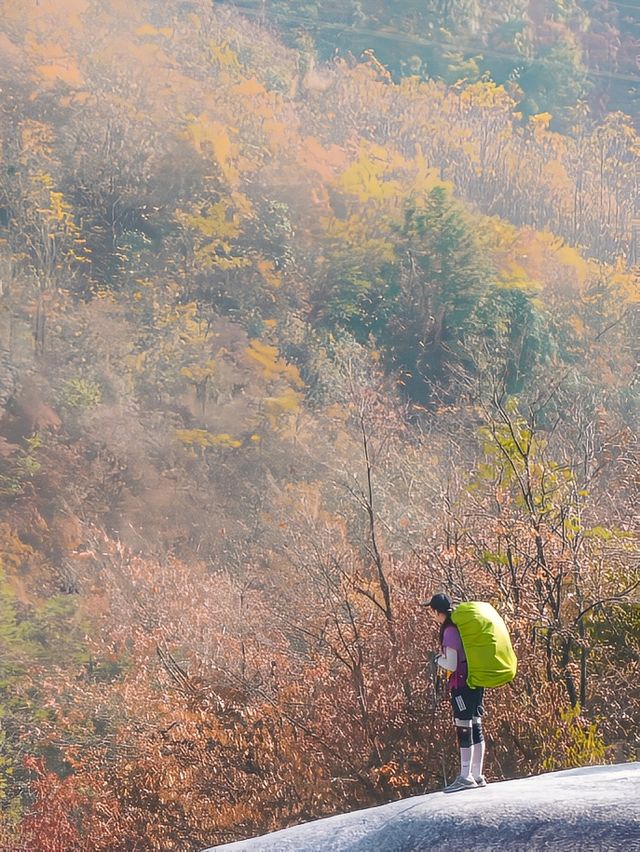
x: 477, y: 759
x: 466, y: 755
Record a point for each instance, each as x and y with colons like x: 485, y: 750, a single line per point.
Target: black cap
x: 440, y: 602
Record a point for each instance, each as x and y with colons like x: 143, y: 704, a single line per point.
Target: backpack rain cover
x: 491, y: 660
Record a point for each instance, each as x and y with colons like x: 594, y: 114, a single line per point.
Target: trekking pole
x: 438, y: 684
x: 432, y: 668
x: 436, y: 689
x: 444, y: 770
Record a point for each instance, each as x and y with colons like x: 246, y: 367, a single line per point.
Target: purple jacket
x: 451, y: 639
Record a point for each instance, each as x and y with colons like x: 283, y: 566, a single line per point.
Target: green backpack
x: 487, y: 646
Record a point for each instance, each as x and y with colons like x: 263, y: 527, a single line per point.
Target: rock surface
x: 591, y: 808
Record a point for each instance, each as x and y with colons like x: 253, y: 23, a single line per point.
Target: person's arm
x: 448, y: 660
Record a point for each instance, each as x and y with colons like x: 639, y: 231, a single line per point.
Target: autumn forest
x: 308, y: 311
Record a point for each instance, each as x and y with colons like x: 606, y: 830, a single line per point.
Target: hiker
x: 465, y: 700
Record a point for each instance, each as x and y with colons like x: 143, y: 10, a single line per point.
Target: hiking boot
x: 481, y: 781
x: 460, y: 783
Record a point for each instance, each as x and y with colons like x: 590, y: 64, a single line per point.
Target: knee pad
x: 464, y: 736
x: 476, y: 730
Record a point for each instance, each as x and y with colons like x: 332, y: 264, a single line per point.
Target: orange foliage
x: 253, y: 652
